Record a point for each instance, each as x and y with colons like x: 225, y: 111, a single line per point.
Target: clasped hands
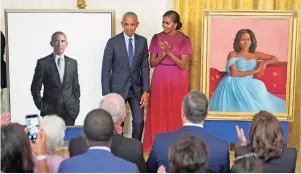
x: 165, y: 47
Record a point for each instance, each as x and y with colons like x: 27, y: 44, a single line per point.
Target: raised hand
x: 241, y: 136
x: 161, y: 169
x: 39, y: 147
x: 5, y: 119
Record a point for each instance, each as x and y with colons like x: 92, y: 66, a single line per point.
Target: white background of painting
x: 29, y: 35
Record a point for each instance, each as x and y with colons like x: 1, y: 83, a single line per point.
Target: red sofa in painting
x: 274, y: 78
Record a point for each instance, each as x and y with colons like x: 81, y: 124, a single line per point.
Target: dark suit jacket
x: 285, y: 163
x: 116, y: 71
x: 46, y: 73
x: 97, y: 161
x: 125, y: 148
x: 218, y: 150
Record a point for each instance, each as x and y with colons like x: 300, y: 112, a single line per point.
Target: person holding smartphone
x: 17, y: 150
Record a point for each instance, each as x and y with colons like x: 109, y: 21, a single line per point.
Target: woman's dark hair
x: 16, y: 155
x: 248, y: 163
x: 266, y: 136
x: 236, y: 45
x: 188, y: 154
x: 175, y: 17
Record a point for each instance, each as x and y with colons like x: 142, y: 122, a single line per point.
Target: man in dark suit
x: 194, y: 111
x: 125, y: 148
x: 58, y: 74
x: 98, y: 130
x: 125, y: 70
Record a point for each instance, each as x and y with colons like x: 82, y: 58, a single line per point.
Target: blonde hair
x: 54, y: 129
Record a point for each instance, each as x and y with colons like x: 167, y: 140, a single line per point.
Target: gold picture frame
x: 293, y: 60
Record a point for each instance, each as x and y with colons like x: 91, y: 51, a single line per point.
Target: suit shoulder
x: 165, y: 136
x: 46, y: 58
x: 140, y: 37
x: 124, y: 162
x: 114, y: 38
x: 71, y: 59
x: 129, y: 141
x: 216, y: 140
x: 290, y: 152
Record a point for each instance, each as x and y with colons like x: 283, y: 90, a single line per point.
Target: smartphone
x: 33, y: 125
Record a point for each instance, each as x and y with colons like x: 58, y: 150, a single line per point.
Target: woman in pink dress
x: 169, y: 53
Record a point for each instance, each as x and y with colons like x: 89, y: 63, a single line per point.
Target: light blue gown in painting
x: 243, y: 94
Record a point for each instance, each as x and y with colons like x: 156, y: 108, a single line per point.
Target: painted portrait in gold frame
x: 271, y: 87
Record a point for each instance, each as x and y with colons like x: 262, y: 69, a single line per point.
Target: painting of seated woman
x: 240, y: 88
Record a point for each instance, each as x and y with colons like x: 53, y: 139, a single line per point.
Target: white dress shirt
x: 126, y: 38
x: 193, y: 124
x: 100, y: 148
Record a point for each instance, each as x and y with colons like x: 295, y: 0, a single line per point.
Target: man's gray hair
x: 195, y: 106
x: 54, y: 129
x: 129, y: 13
x: 114, y: 104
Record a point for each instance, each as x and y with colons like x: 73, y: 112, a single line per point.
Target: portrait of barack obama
x: 58, y: 74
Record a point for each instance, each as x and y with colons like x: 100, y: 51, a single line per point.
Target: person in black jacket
x: 267, y: 142
x: 126, y: 148
x: 3, y: 64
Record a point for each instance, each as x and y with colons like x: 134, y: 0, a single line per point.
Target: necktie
x: 131, y: 54
x: 60, y: 68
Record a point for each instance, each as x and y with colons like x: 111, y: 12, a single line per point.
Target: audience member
x: 98, y: 130
x: 194, y: 111
x: 248, y: 163
x: 266, y: 140
x: 54, y: 129
x: 17, y: 149
x: 126, y: 148
x: 188, y: 154
x: 3, y: 63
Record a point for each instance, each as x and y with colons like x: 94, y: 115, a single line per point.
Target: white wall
x: 149, y: 13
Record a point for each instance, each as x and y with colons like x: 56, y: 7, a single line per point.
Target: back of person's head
x: 266, y: 136
x: 77, y: 146
x: 16, y: 154
x: 98, y: 126
x: 114, y: 104
x: 248, y: 163
x: 54, y: 129
x: 188, y: 154
x: 195, y: 106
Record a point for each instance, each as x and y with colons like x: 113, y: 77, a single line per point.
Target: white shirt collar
x: 57, y: 56
x: 100, y: 148
x: 193, y: 124
x: 127, y: 37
